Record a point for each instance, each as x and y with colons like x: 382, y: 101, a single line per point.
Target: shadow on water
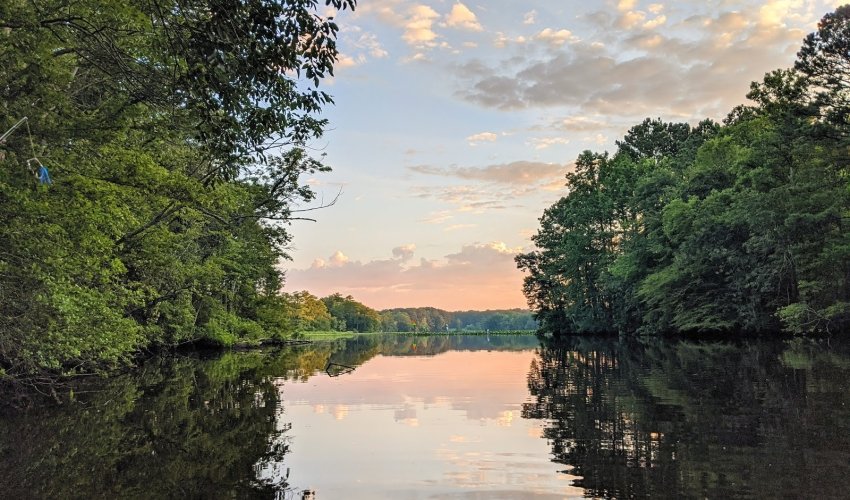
x: 689, y: 419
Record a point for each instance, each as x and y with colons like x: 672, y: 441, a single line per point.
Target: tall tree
x: 161, y: 123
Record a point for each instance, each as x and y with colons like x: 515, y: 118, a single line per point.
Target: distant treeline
x: 739, y: 226
x: 339, y: 313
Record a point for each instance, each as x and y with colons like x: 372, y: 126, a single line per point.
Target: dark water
x: 449, y: 417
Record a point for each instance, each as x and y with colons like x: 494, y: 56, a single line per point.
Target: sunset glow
x: 455, y: 123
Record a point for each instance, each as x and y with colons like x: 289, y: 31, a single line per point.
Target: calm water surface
x: 449, y: 417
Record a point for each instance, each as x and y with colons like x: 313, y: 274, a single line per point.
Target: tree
x: 352, y: 315
x: 162, y: 127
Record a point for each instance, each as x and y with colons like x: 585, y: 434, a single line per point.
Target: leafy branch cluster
x: 715, y: 227
x: 176, y: 133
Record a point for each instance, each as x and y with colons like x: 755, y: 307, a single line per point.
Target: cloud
x: 478, y: 276
x: 358, y: 46
x: 514, y: 173
x: 495, y: 187
x: 476, y: 139
x: 345, y: 61
x: 530, y: 17
x: 338, y: 259
x: 456, y: 227
x: 626, y: 5
x: 418, y: 24
x: 437, y: 217
x: 404, y: 252
x: 556, y: 37
x: 462, y: 18
x: 369, y: 43
x: 501, y: 41
x: 546, y: 142
x: 699, y: 67
x: 580, y: 124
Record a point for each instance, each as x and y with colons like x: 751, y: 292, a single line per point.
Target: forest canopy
x: 739, y: 226
x: 175, y: 134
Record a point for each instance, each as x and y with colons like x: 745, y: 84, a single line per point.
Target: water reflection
x: 696, y: 420
x: 179, y: 428
x: 404, y: 425
x: 449, y: 417
x: 189, y: 426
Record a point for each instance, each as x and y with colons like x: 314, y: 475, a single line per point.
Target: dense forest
x: 338, y: 313
x: 149, y: 172
x: 739, y: 226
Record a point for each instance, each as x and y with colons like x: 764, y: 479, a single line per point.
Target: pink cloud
x: 479, y: 276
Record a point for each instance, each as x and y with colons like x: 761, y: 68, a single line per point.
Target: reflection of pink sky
x: 482, y: 386
x: 421, y: 427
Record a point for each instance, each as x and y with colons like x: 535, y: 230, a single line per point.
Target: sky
x: 454, y: 124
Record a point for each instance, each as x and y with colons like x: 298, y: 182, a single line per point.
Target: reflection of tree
x: 179, y: 428
x: 359, y: 349
x: 695, y: 419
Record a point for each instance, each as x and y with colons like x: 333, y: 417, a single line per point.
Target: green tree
x: 176, y: 143
x: 352, y: 315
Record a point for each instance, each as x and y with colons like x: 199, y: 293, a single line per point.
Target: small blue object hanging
x: 44, y: 175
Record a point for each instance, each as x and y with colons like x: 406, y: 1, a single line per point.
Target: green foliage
x: 348, y: 314
x: 430, y: 319
x: 712, y: 228
x: 176, y: 143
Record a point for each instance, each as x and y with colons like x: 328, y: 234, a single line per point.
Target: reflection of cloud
x: 340, y: 411
x: 535, y: 432
x: 406, y: 412
x: 505, y: 418
x: 479, y: 275
x: 410, y: 422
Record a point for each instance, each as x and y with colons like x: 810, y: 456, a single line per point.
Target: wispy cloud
x: 476, y: 139
x: 437, y: 217
x: 546, y: 142
x: 516, y: 173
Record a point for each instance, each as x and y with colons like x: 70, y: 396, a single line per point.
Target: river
x: 448, y: 416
